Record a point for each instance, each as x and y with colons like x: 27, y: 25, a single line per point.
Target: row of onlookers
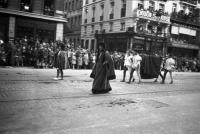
x: 42, y: 55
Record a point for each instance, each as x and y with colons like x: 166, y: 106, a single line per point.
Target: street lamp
x: 158, y: 15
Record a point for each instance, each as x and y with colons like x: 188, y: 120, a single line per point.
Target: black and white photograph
x: 99, y: 66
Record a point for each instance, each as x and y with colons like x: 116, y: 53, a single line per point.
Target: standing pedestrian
x: 62, y: 60
x: 136, y: 64
x: 126, y: 64
x: 169, y: 67
x: 73, y: 59
x: 102, y: 72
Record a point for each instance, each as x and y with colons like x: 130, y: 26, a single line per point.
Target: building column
x: 11, y: 32
x: 59, y: 31
x: 199, y: 54
x: 146, y: 26
x: 131, y: 43
x: 95, y: 45
x: 167, y: 30
x: 135, y: 25
x: 90, y: 44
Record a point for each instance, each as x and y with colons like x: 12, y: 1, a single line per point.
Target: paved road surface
x: 31, y: 102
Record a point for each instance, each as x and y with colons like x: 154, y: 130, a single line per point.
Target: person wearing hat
x: 103, y: 71
x: 168, y: 67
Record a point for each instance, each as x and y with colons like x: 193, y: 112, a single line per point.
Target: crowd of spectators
x: 39, y: 54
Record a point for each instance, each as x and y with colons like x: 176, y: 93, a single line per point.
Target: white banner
x: 193, y: 32
x: 187, y: 31
x: 175, y: 30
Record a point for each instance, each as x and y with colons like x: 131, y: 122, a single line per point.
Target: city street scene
x: 99, y: 67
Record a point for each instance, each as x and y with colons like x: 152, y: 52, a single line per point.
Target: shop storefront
x: 3, y: 27
x: 43, y: 30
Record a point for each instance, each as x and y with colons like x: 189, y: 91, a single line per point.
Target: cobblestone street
x: 32, y: 102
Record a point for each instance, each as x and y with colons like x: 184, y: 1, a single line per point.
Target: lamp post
x: 158, y: 15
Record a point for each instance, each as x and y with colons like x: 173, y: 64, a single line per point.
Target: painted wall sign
x: 152, y: 16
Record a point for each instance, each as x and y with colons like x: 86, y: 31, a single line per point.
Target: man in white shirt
x: 136, y: 61
x: 169, y: 67
x: 126, y: 64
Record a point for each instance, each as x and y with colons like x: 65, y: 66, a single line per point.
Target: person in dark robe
x: 103, y: 71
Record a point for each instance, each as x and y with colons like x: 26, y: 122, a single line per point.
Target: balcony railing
x: 185, y: 18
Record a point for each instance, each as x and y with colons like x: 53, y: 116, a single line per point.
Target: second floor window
x: 161, y: 7
x: 122, y: 26
x: 93, y: 12
x: 26, y: 5
x: 123, y: 9
x: 49, y: 7
x: 101, y: 27
x: 140, y: 4
x: 92, y: 31
x: 112, y: 7
x: 85, y: 29
x: 151, y: 5
x: 174, y: 7
x: 4, y: 3
x: 111, y: 26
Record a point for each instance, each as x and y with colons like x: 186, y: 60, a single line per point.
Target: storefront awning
x: 187, y: 46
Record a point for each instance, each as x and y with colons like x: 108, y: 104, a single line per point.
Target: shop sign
x: 152, y: 16
x: 183, y: 30
x: 188, y: 46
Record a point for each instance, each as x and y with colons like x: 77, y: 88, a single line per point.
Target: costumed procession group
x: 145, y: 66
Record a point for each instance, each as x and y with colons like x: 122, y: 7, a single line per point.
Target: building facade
x: 73, y: 13
x: 41, y: 19
x: 143, y: 25
x: 185, y: 26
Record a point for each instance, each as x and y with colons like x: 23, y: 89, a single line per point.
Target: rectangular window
x: 92, y: 31
x: 93, y: 13
x: 102, y: 12
x: 86, y: 1
x: 85, y: 29
x: 174, y: 7
x: 122, y: 26
x: 141, y: 4
x: 111, y: 26
x: 151, y: 6
x: 101, y: 27
x: 26, y: 5
x: 123, y: 9
x: 4, y: 3
x: 49, y: 7
x: 161, y: 7
x: 111, y: 9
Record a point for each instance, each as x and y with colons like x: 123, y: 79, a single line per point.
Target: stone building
x: 42, y: 19
x: 144, y: 25
x: 73, y: 12
x: 185, y: 26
